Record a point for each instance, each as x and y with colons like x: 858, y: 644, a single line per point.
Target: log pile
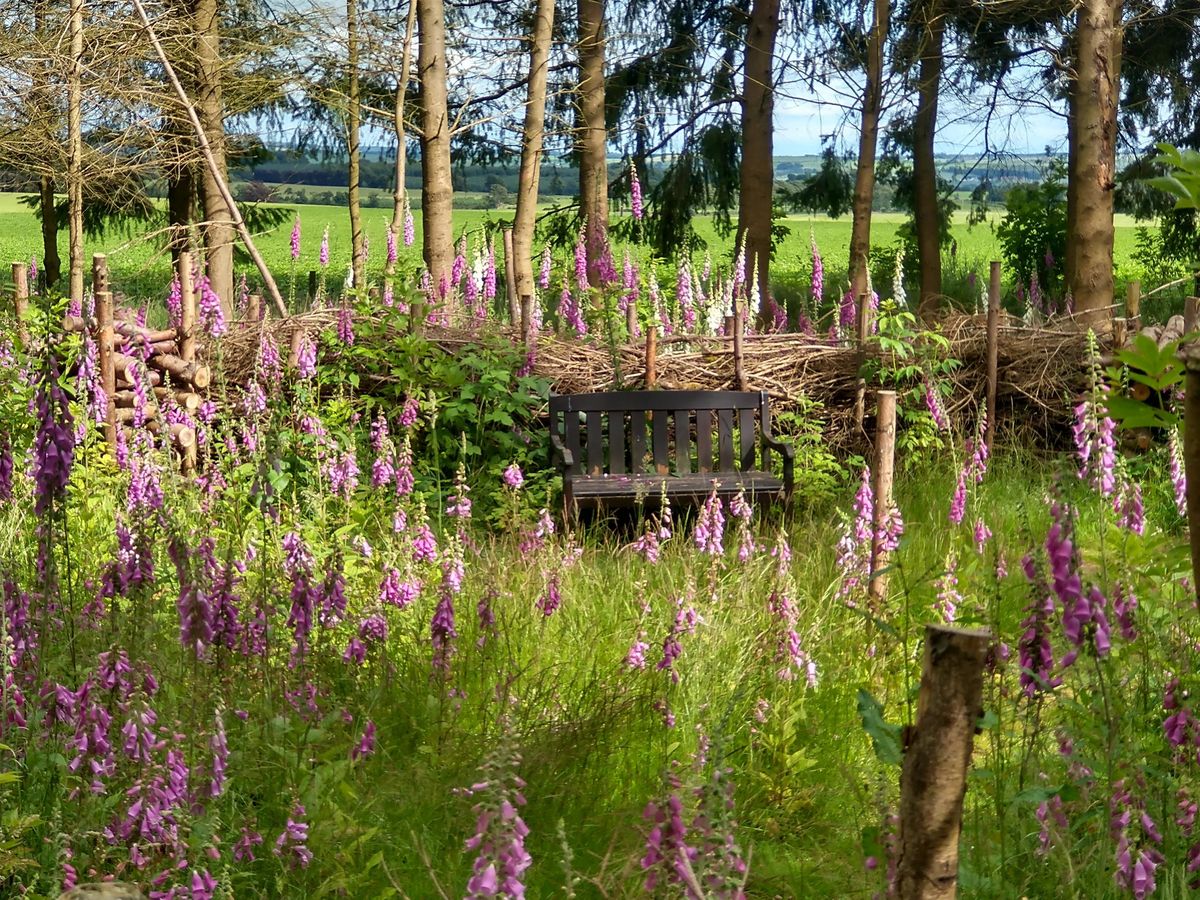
x: 163, y: 360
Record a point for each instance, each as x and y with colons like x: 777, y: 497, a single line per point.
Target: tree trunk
x: 51, y: 263
x: 353, y: 116
x: 925, y: 187
x: 180, y: 186
x: 401, y: 191
x: 1074, y: 91
x: 864, y: 182
x: 1095, y: 131
x: 75, y: 153
x: 532, y: 139
x: 437, y: 200
x: 218, y: 218
x: 758, y: 168
x: 592, y: 136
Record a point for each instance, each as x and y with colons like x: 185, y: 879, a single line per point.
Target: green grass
x: 140, y: 266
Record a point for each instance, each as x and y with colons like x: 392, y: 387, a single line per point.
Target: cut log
x: 196, y: 374
x: 184, y: 436
x: 77, y: 325
x: 137, y: 334
x: 126, y: 415
x: 187, y: 400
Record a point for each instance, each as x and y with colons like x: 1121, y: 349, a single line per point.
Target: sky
x: 800, y: 123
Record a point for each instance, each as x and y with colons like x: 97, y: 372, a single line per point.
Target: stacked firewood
x: 171, y: 374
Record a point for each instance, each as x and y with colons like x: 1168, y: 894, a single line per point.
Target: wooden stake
x: 860, y: 402
x: 864, y: 318
x: 312, y: 286
x: 510, y: 278
x: 631, y: 319
x: 1133, y: 305
x: 739, y: 363
x: 993, y: 351
x: 108, y: 374
x: 254, y: 309
x: 99, y: 273
x: 187, y: 304
x: 21, y: 301
x: 294, y: 350
x: 651, y: 356
x: 933, y: 778
x: 885, y: 464
x: 1190, y: 354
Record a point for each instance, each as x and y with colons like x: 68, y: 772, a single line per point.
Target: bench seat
x: 627, y: 490
x: 622, y: 448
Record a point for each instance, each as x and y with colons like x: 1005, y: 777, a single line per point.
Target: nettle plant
x: 915, y: 362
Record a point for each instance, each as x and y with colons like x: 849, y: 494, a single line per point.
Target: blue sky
x: 799, y: 124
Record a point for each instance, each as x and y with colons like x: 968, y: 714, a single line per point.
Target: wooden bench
x: 600, y: 443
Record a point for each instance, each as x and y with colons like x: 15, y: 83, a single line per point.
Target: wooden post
x: 312, y: 286
x: 1191, y: 314
x: 739, y: 363
x: 294, y: 349
x: 864, y: 318
x: 417, y: 310
x: 860, y: 402
x: 631, y: 318
x: 510, y: 278
x: 937, y: 756
x: 99, y: 273
x: 885, y: 464
x: 993, y: 351
x: 21, y: 300
x: 187, y: 304
x: 1190, y: 354
x: 108, y: 373
x: 254, y: 308
x: 1133, y: 305
x: 651, y: 355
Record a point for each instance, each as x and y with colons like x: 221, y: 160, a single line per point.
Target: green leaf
x: 885, y: 736
x: 1034, y: 795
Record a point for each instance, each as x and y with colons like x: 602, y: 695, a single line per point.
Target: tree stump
x: 933, y: 779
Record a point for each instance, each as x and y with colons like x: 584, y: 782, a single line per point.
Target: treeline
x: 588, y: 99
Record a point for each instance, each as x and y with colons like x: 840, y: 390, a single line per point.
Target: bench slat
x: 746, y: 426
x: 637, y: 441
x: 616, y: 443
x: 704, y: 447
x: 683, y: 441
x: 656, y: 400
x: 662, y: 450
x: 725, y: 440
x: 595, y: 444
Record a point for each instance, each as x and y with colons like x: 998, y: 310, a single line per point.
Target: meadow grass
x: 140, y: 265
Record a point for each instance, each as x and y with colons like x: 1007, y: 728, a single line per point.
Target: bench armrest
x: 562, y: 453
x: 788, y: 452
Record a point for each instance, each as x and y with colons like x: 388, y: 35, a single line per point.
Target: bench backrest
x: 607, y: 432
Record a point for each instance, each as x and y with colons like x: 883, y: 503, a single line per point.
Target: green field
x: 140, y: 264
